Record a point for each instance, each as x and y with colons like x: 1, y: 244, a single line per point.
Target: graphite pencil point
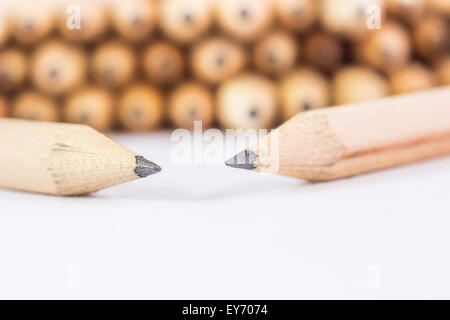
x: 344, y: 141
x: 243, y: 160
x: 145, y: 168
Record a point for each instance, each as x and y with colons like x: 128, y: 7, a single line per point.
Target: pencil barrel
x: 91, y: 106
x: 344, y: 141
x: 303, y: 90
x: 163, y: 63
x: 191, y: 102
x: 4, y: 108
x: 57, y: 68
x: 32, y: 105
x: 134, y: 20
x: 93, y: 20
x: 276, y: 53
x: 13, y: 70
x: 140, y: 108
x: 113, y: 64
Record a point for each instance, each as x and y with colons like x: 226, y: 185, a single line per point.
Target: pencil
x: 31, y: 24
x: 113, y: 64
x: 57, y: 67
x: 94, y: 20
x: 64, y: 159
x: 91, y: 105
x: 4, y: 108
x: 163, y: 63
x: 339, y: 142
x: 184, y: 21
x: 387, y: 49
x: 217, y: 59
x: 297, y: 15
x: 140, y: 107
x: 245, y: 21
x: 442, y: 70
x: 32, y: 105
x: 13, y: 69
x: 276, y: 53
x: 412, y: 77
x: 133, y: 20
x: 323, y: 51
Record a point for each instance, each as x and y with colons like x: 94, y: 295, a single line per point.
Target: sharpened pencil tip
x: 243, y: 160
x: 145, y: 168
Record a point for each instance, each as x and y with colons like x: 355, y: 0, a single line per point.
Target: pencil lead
x: 145, y: 168
x: 243, y: 160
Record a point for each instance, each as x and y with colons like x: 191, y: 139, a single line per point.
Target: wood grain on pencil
x: 344, y: 141
x: 64, y: 159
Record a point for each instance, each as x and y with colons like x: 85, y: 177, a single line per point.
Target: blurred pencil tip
x: 145, y: 168
x: 243, y: 160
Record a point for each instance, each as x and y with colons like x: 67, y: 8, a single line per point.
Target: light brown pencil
x: 348, y: 140
x: 64, y: 159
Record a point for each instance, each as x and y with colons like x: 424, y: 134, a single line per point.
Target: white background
x: 207, y: 231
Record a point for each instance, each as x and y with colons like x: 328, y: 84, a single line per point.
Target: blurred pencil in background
x: 13, y: 69
x: 443, y: 70
x: 247, y: 101
x: 92, y: 106
x: 140, y: 108
x: 163, y: 63
x: 303, y: 89
x: 217, y: 59
x: 134, y: 20
x: 3, y: 107
x: 32, y: 105
x: 57, y: 68
x: 191, y: 102
x: 113, y: 64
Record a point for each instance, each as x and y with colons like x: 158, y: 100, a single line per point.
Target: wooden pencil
x: 94, y: 20
x: 190, y: 102
x: 4, y: 108
x: 431, y: 37
x: 64, y: 159
x: 32, y: 105
x: 140, y: 107
x: 246, y: 20
x: 13, y: 69
x: 57, y: 67
x: 409, y: 11
x: 248, y: 101
x: 344, y: 141
x: 442, y: 70
x: 134, y: 20
x: 297, y: 15
x: 276, y: 53
x: 415, y: 76
x: 323, y: 51
x: 357, y: 83
x: 303, y: 89
x: 184, y: 21
x: 217, y: 59
x: 163, y: 63
x: 113, y: 64
x: 91, y: 105
x: 30, y: 23
x: 4, y: 27
x: 387, y: 49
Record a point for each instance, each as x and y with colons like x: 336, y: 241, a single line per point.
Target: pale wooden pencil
x: 347, y: 140
x: 64, y: 159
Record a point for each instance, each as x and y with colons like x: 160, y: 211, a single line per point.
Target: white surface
x: 214, y: 232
